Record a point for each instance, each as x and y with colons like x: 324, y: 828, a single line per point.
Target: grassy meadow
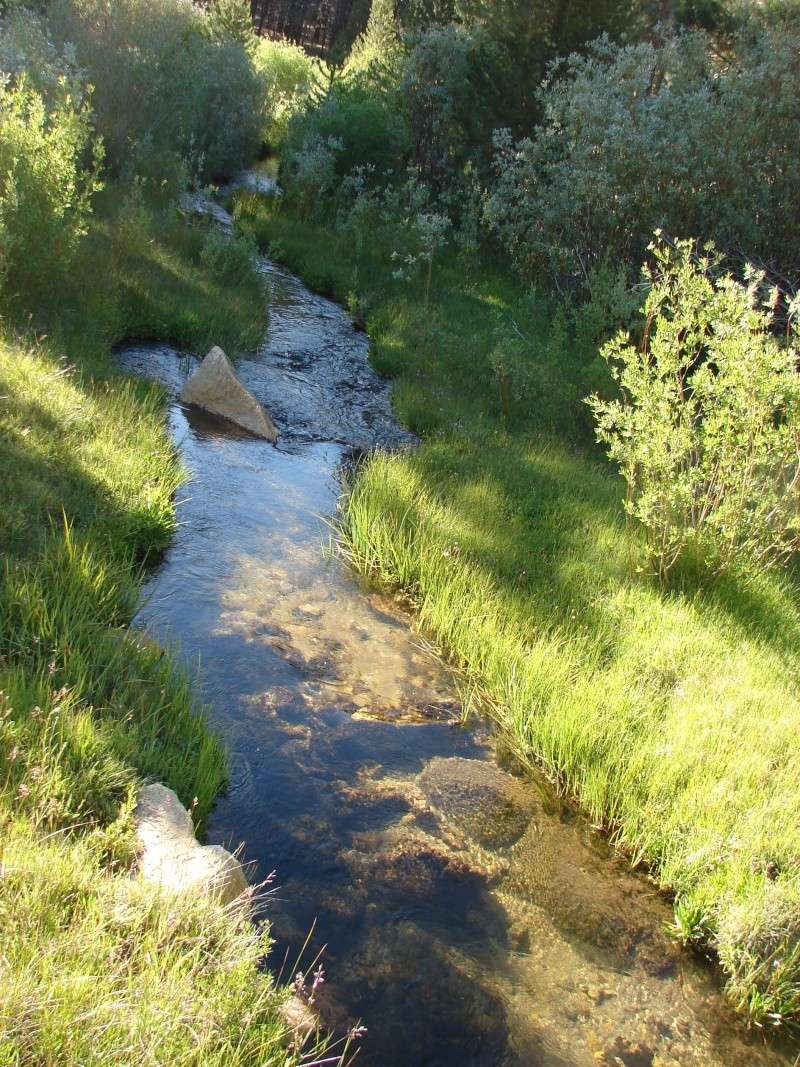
x: 671, y: 716
x: 96, y: 968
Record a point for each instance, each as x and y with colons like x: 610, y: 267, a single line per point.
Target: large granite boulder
x: 215, y: 388
x: 171, y: 856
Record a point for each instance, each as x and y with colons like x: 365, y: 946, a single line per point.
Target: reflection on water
x: 469, y: 918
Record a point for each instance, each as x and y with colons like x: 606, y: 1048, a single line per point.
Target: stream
x: 468, y: 917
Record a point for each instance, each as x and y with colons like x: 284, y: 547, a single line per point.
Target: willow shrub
x: 45, y: 188
x: 174, y: 92
x: 707, y: 432
x: 369, y: 127
x: 289, y: 76
x: 645, y: 136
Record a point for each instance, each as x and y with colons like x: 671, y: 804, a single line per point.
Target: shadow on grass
x: 48, y: 485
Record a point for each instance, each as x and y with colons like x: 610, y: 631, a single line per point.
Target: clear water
x: 468, y: 917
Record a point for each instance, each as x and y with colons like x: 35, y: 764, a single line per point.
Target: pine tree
x: 231, y: 20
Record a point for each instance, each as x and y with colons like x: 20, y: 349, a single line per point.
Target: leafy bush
x: 369, y: 128
x: 645, y: 136
x: 228, y: 255
x: 611, y: 304
x: 397, y: 223
x: 312, y: 171
x: 707, y: 433
x: 288, y: 76
x: 45, y: 192
x: 432, y: 231
x: 440, y: 92
x: 222, y: 109
x: 28, y: 50
x: 517, y: 39
x: 197, y: 94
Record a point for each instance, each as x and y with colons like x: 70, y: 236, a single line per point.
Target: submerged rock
x: 215, y: 388
x: 490, y: 806
x: 171, y: 856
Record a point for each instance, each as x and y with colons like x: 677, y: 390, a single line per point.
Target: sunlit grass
x: 94, y: 451
x: 96, y: 969
x: 673, y: 716
x: 99, y: 970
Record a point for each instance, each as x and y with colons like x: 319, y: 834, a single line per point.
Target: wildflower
x: 318, y: 980
x: 13, y: 753
x: 23, y: 790
x: 356, y: 1032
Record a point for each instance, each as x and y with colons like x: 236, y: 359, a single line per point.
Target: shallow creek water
x: 470, y: 918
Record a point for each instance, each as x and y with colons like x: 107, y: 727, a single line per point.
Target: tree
x: 231, y: 20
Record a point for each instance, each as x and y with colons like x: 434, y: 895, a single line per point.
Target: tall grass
x: 96, y: 969
x: 672, y: 717
x: 99, y: 970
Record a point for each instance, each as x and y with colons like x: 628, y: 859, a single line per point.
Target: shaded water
x: 469, y: 918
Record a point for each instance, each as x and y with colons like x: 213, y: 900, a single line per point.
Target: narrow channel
x: 467, y: 916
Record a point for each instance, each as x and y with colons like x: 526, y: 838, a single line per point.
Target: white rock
x: 171, y: 856
x: 215, y: 388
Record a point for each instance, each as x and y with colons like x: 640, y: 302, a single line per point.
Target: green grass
x: 96, y: 969
x: 672, y: 717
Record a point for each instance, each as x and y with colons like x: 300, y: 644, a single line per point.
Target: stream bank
x: 469, y: 917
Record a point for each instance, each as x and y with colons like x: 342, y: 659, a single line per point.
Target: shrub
x: 228, y: 255
x: 45, y: 191
x: 197, y: 93
x: 432, y: 232
x: 611, y: 305
x: 222, y: 107
x: 648, y: 136
x: 28, y: 50
x: 368, y: 126
x: 312, y: 171
x: 288, y: 76
x: 440, y: 94
x: 395, y: 222
x: 517, y: 39
x: 707, y: 433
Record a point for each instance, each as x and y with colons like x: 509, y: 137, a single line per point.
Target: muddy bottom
x: 469, y: 918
